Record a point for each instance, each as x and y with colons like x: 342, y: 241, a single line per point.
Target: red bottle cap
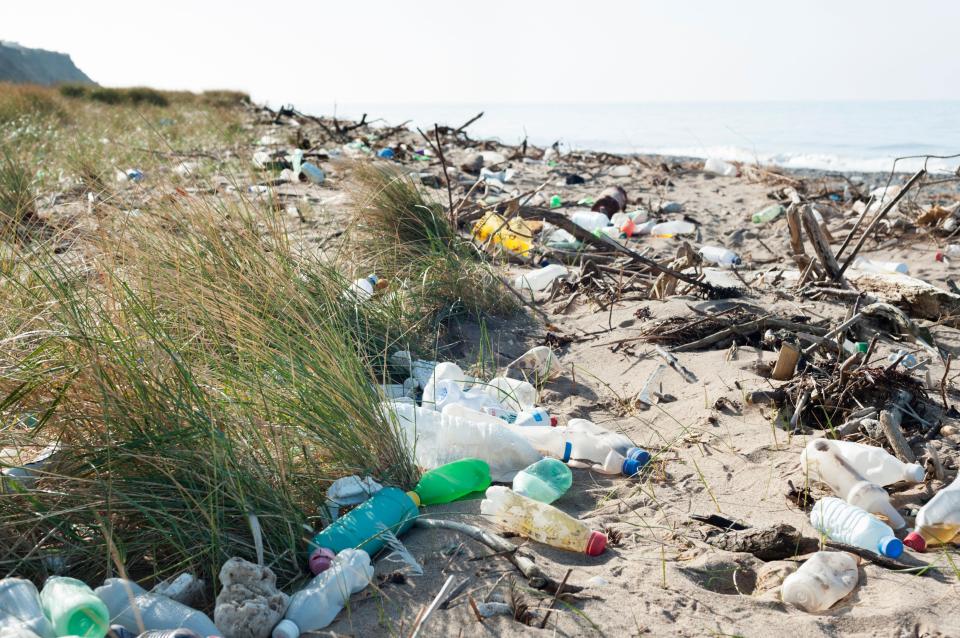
x: 320, y: 560
x: 938, y: 256
x: 914, y: 541
x: 553, y: 421
x: 597, y: 544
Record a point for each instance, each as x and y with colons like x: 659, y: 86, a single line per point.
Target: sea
x: 831, y: 136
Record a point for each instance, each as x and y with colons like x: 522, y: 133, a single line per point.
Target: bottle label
x: 567, y: 451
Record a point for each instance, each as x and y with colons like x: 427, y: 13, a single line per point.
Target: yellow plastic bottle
x: 938, y: 522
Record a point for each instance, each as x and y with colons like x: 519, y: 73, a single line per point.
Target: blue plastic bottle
x: 390, y: 508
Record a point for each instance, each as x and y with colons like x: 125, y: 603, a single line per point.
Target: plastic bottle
x: 882, y: 267
x: 512, y: 393
x: 849, y: 524
x: 877, y: 465
x: 443, y: 371
x: 673, y: 228
x: 624, y: 223
x: 540, y: 522
x: 540, y: 279
x: 939, y: 520
x: 137, y: 609
x: 313, y: 173
x: 952, y: 251
x: 316, y: 605
x: 20, y: 605
x: 823, y: 461
x: 719, y: 167
x: 485, y: 415
x: 820, y: 582
x: 535, y: 416
x: 540, y: 361
x: 590, y: 220
x: 768, y: 214
x: 544, y: 481
x: 447, y: 392
x: 362, y: 289
x: 453, y: 481
x: 73, y: 609
x: 612, y: 199
x: 181, y: 632
x: 720, y: 256
x: 579, y: 441
x: 389, y: 509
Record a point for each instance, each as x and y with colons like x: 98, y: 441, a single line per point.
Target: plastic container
x: 316, y: 605
x: 540, y: 279
x: 849, y: 524
x: 720, y: 256
x: 882, y: 267
x: 446, y: 370
x: 820, y: 582
x: 939, y: 520
x: 448, y: 392
x: 719, y: 167
x: 478, y: 416
x: 511, y: 393
x: 362, y: 289
x: 544, y: 481
x: 139, y: 610
x: 768, y: 214
x: 612, y: 199
x: 556, y: 201
x: 313, y: 173
x: 822, y: 461
x: 877, y: 465
x: 673, y: 228
x: 590, y: 220
x: 581, y: 439
x: 389, y: 509
x: 453, y: 481
x: 535, y: 416
x: 20, y: 605
x: 540, y: 522
x: 386, y: 153
x: 540, y: 361
x: 73, y: 609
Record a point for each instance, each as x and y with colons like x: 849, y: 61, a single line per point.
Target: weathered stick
x: 468, y: 123
x: 745, y: 329
x: 422, y: 617
x: 820, y: 245
x: 890, y: 420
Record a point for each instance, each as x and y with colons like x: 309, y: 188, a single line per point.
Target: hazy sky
x: 508, y: 51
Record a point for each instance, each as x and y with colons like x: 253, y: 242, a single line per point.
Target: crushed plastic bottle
x: 768, y: 214
x: 881, y: 267
x: 590, y: 220
x: 539, y: 361
x: 821, y: 581
x: 544, y: 481
x: 540, y: 279
x: 877, y: 465
x: 512, y: 393
x: 448, y: 392
x: 721, y: 256
x: 318, y: 603
x: 73, y: 609
x: 453, y: 481
x: 137, y: 609
x: 391, y: 509
x: 939, y: 520
x: 673, y: 228
x: 718, y: 166
x: 852, y: 525
x: 20, y: 606
x: 534, y: 416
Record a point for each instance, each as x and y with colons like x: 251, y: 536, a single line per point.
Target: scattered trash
x: 130, y: 175
x: 72, y: 608
x: 720, y: 256
x: 719, y: 167
x: 539, y: 362
x: 768, y: 214
x: 556, y: 201
x: 613, y: 199
x: 873, y: 265
x: 135, y: 608
x: 821, y: 581
x: 350, y: 490
x: 540, y: 279
x: 386, y: 153
x: 672, y: 229
x: 452, y: 482
x: 391, y: 508
x: 20, y: 606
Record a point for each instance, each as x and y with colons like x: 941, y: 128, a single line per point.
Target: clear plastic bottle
x: 768, y: 214
x: 476, y: 416
x: 449, y: 392
x: 881, y: 267
x: 718, y: 166
x: 539, y: 361
x: 849, y: 524
x: 535, y: 416
x: 820, y: 582
x: 20, y: 605
x: 540, y: 279
x: 511, y: 393
x: 540, y: 522
x: 316, y: 605
x: 362, y: 289
x: 590, y: 220
x: 444, y: 371
x: 544, y: 481
x: 73, y: 609
x: 939, y: 520
x: 822, y: 461
x: 720, y: 256
x: 877, y: 465
x: 137, y: 609
x: 583, y: 440
x: 673, y: 228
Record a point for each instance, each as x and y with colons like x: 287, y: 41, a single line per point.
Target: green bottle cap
x: 556, y: 202
x: 862, y: 346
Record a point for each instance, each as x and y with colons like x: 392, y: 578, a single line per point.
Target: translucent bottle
x: 820, y: 582
x: 446, y: 370
x: 822, y: 461
x: 512, y: 393
x: 578, y: 441
x: 449, y: 392
x: 881, y: 267
x: 718, y: 166
x: 544, y: 481
x: 20, y: 605
x: 453, y: 481
x: 939, y: 520
x: 540, y: 522
x: 720, y: 256
x: 768, y: 214
x: 624, y: 223
x: 535, y: 416
x: 389, y: 509
x: 316, y: 605
x: 877, y: 465
x: 476, y: 416
x: 590, y: 220
x: 137, y: 609
x: 540, y: 279
x: 73, y: 609
x: 362, y: 289
x: 673, y: 228
x: 852, y: 525
x: 539, y: 361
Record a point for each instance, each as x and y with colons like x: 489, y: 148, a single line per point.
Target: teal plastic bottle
x: 545, y: 481
x: 73, y: 608
x: 391, y: 508
x: 453, y: 481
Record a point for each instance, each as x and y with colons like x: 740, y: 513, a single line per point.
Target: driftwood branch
x: 820, y: 245
x: 890, y: 420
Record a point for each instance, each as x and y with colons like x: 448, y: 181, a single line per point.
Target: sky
x: 516, y: 51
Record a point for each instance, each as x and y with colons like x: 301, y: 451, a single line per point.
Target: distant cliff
x: 36, y: 66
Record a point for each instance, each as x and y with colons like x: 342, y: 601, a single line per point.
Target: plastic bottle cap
x: 915, y: 541
x: 891, y: 546
x: 632, y: 466
x: 286, y: 628
x: 320, y: 560
x: 597, y: 543
x: 415, y: 498
x: 553, y: 421
x: 638, y: 454
x: 862, y: 346
x: 938, y: 256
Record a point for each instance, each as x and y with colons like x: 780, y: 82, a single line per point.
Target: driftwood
x: 820, y: 245
x: 748, y: 328
x: 766, y: 543
x: 890, y: 420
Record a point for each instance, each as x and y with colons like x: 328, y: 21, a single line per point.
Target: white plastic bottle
x: 477, y: 416
x: 540, y: 279
x: 882, y: 267
x: 718, y: 166
x: 939, y: 520
x: 444, y: 371
x: 316, y: 605
x: 590, y: 220
x: 877, y: 465
x: 449, y: 392
x: 721, y: 256
x: 673, y: 228
x: 575, y: 441
x: 822, y: 461
x: 820, y: 582
x: 362, y: 289
x: 849, y: 524
x: 535, y: 416
x: 511, y: 393
x: 138, y: 610
x: 20, y: 606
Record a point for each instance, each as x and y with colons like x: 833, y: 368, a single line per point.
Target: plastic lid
x: 286, y: 628
x: 567, y: 451
x: 638, y: 454
x: 631, y: 466
x: 320, y: 560
x: 414, y: 497
x: 915, y: 541
x: 597, y: 543
x: 890, y: 546
x: 914, y: 472
x: 553, y: 422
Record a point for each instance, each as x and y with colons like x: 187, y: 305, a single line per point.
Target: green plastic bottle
x: 453, y: 481
x: 389, y: 509
x: 73, y: 609
x: 768, y: 214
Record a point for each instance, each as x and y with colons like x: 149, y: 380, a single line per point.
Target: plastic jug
x: 453, y: 481
x: 939, y: 520
x: 20, y: 605
x: 590, y: 220
x: 822, y: 460
x: 673, y: 228
x: 535, y: 416
x: 544, y: 481
x: 877, y: 465
x: 512, y: 393
x: 539, y: 361
x: 768, y: 214
x: 878, y: 266
x: 849, y: 524
x: 719, y: 167
x: 443, y: 371
x: 316, y: 605
x: 540, y: 279
x: 73, y: 609
x: 437, y: 439
x: 720, y: 256
x: 824, y: 579
x: 540, y: 522
x: 139, y: 610
x: 389, y: 509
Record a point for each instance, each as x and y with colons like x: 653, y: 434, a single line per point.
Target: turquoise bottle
x: 73, y: 609
x: 545, y: 481
x: 391, y: 508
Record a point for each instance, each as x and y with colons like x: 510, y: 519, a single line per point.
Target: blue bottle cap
x: 632, y: 466
x: 890, y: 546
x: 638, y: 454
